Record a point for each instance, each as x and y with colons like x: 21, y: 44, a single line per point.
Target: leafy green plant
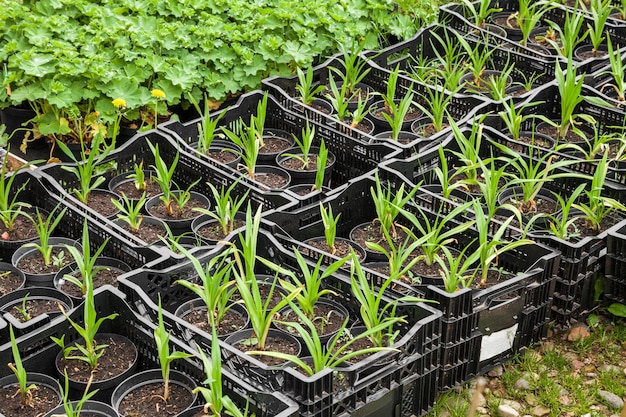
x: 527, y: 82
x: 339, y: 99
x: 529, y: 15
x: 226, y: 207
x: 597, y: 206
x: 354, y: 68
x: 216, y: 288
x: 446, y: 176
x: 130, y: 211
x: 249, y: 141
x: 323, y: 357
x: 490, y: 187
x: 616, y: 71
x: 514, y: 117
x: 437, y: 231
x: 89, y: 352
x: 70, y: 408
x: 396, y: 110
x: 600, y: 11
x: 477, y: 60
x: 479, y: 14
x: 469, y: 149
x: 568, y: 34
x: 330, y: 226
x: 162, y: 341
x: 25, y: 390
x: 44, y: 229
x: 215, y: 400
x: 85, y: 261
x: 207, y: 126
x: 10, y: 207
x: 307, y: 89
x: 304, y: 143
x: 389, y: 206
x: 562, y: 225
x: 438, y: 101
x: 85, y: 169
x: 455, y: 268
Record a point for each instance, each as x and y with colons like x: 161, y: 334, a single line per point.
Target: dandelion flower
x: 119, y: 103
x: 158, y: 94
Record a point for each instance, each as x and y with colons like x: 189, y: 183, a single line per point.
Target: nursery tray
x: 353, y: 157
x: 406, y: 382
x: 495, y: 313
x: 284, y: 89
x: 615, y: 278
x: 38, y: 353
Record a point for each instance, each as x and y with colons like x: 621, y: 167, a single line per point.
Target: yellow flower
x: 119, y: 103
x: 156, y: 93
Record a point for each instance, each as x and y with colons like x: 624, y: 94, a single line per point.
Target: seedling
x: 25, y: 390
x: 322, y: 157
x: 529, y: 15
x: 339, y: 99
x: 23, y: 309
x: 226, y: 207
x: 249, y: 140
x: 455, y: 268
x: 44, y: 229
x: 207, y: 127
x: 438, y: 101
x: 514, y: 118
x: 477, y: 57
x: 600, y: 11
x: 354, y: 68
x: 305, y: 144
x: 360, y: 112
x: 139, y: 177
x: 396, y: 110
x: 130, y: 211
x: 10, y: 207
x: 616, y: 71
x: 307, y: 89
x: 330, y: 226
x: 480, y: 14
x: 568, y: 34
x: 71, y: 409
x: 387, y: 206
x: 562, y: 225
x: 162, y: 340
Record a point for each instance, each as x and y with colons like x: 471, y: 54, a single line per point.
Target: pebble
x: 496, y: 372
x: 565, y: 400
x: 577, y: 333
x: 591, y: 374
x: 571, y: 356
x: 540, y: 411
x: 513, y: 404
x: 507, y: 411
x: 614, y: 401
x: 608, y: 368
x: 522, y: 384
x: 586, y: 415
x: 578, y: 364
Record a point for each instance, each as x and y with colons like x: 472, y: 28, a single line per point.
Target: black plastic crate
x: 284, y: 89
x: 418, y: 355
x: 615, y: 278
x: 353, y: 157
x: 38, y: 352
x: 71, y: 226
x: 455, y: 15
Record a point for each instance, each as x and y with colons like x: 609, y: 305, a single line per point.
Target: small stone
x: 513, y: 404
x: 591, y: 374
x: 530, y: 399
x: 608, y: 368
x: 482, y: 410
x: 614, y: 401
x: 496, y: 372
x: 522, y: 384
x: 571, y: 356
x: 589, y: 369
x: 578, y: 364
x: 577, y: 333
x: 540, y: 411
x: 586, y: 415
x: 565, y: 400
x: 507, y: 411
x: 563, y: 392
x: 547, y: 346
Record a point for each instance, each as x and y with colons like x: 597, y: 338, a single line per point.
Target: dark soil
x: 583, y: 56
x: 34, y: 263
x: 147, y: 232
x: 159, y: 210
x: 271, y: 180
x: 536, y: 141
x: 223, y: 156
x: 23, y: 229
x: 327, y: 320
x: 429, y: 130
x: 363, y: 343
x: 586, y: 229
x: 295, y: 164
x: 101, y: 203
x: 342, y: 248
x: 413, y: 114
x: 371, y: 233
x: 274, y: 145
x: 9, y: 281
x: 272, y: 344
x: 540, y: 206
x: 363, y: 127
x: 104, y: 276
x: 505, y: 22
x: 494, y: 276
x: 147, y: 401
x: 321, y: 109
x: 551, y: 131
x: 132, y: 193
x: 231, y: 322
x: 35, y: 308
x: 118, y: 356
x: 214, y: 231
x: 44, y: 400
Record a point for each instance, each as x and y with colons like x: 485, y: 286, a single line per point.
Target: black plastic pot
x: 90, y: 407
x: 42, y: 280
x: 469, y: 87
x: 7, y: 267
x: 262, y: 171
x: 106, y: 386
x: 102, y: 261
x: 360, y: 251
x: 243, y: 335
x: 319, y: 104
x: 585, y: 52
x: 198, y: 304
x: 404, y: 137
x: 300, y: 176
x: 269, y: 158
x: 121, y: 179
x: 511, y: 192
x: 381, y: 123
x: 222, y: 147
x: 150, y: 377
x: 40, y: 380
x: 178, y: 226
x: 288, y: 315
x: 9, y: 246
x: 206, y: 220
x: 146, y: 220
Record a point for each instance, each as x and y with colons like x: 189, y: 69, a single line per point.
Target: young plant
x: 527, y: 81
x: 479, y: 14
x: 375, y: 311
x: 139, y: 177
x: 438, y: 101
x: 85, y: 261
x: 616, y: 71
x: 162, y: 341
x: 226, y: 207
x: 498, y: 83
x: 456, y: 268
x: 339, y: 99
x: 322, y: 356
x: 490, y: 246
x: 396, y: 110
x: 354, y: 68
x: 445, y: 176
x: 44, y: 229
x: 435, y: 232
x: 307, y: 89
x: 597, y: 145
x: 89, y: 352
x: 23, y: 309
x: 70, y: 408
x: 305, y: 144
x: 568, y: 34
x: 215, y: 400
x: 598, y: 207
x: 322, y: 157
x: 261, y: 315
x: 600, y: 11
x: 514, y: 118
x: 477, y: 59
x: 85, y: 169
x: 529, y: 15
x: 388, y: 207
x: 10, y: 207
x: 330, y: 227
x: 469, y: 150
x: 562, y: 225
x: 130, y: 211
x: 216, y: 286
x: 490, y: 187
x: 360, y: 112
x: 249, y: 140
x: 25, y: 390
x: 207, y: 126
